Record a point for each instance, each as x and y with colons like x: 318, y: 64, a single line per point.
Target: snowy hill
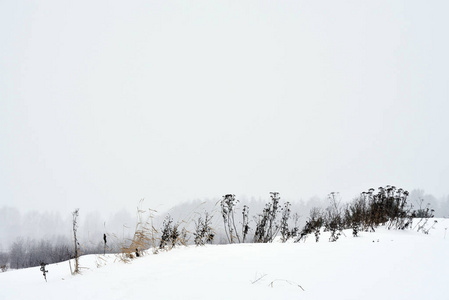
x: 385, y: 264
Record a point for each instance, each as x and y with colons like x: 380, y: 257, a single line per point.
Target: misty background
x: 105, y: 103
x: 120, y: 226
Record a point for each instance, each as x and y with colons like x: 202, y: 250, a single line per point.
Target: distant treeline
x: 25, y: 253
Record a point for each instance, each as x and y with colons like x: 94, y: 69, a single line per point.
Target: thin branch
x: 253, y: 282
x: 288, y: 281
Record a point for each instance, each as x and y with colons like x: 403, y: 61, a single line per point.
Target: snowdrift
x: 385, y: 264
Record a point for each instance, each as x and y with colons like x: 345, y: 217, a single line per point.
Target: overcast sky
x: 103, y: 103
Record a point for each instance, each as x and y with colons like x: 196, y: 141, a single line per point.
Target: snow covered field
x: 380, y: 265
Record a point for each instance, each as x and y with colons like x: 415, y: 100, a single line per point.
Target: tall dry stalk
x: 75, y: 215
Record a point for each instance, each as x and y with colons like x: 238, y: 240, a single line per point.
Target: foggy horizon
x: 105, y: 103
x: 38, y: 225
x: 161, y: 208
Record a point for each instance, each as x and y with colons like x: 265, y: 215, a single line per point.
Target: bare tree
x: 17, y: 254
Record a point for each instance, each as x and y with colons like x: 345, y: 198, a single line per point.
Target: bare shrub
x: 267, y: 225
x: 285, y: 231
x: 170, y: 234
x: 313, y: 225
x: 333, y: 219
x: 204, y: 234
x: 228, y: 204
x: 423, y: 212
x: 355, y: 215
x: 389, y: 207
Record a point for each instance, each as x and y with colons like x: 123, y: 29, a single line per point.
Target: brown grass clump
x: 144, y: 236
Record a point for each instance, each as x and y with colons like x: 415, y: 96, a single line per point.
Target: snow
x: 386, y: 264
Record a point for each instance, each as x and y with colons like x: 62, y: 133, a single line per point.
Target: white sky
x: 103, y: 103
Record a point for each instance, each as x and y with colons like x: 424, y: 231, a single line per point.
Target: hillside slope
x: 380, y: 265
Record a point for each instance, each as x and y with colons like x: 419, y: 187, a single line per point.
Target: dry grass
x: 145, y: 236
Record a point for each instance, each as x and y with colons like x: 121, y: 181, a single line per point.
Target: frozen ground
x: 381, y: 265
